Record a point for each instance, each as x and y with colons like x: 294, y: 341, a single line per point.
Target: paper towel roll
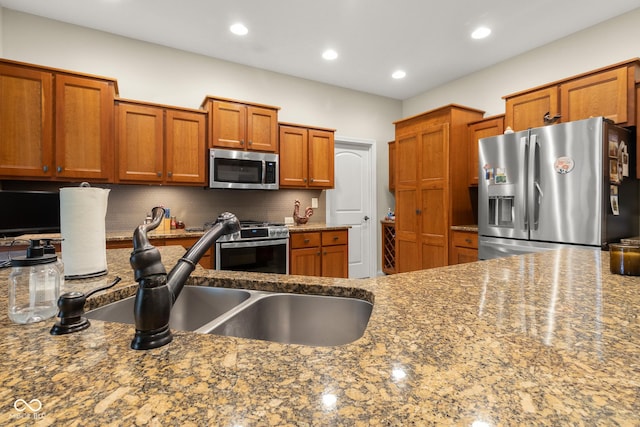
x: 82, y: 225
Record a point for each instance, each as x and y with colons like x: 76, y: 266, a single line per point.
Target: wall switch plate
x: 314, y: 202
x: 288, y: 220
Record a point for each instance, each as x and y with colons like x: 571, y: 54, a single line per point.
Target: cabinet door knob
x: 159, y: 174
x: 467, y: 240
x: 242, y: 142
x: 250, y: 142
x: 418, y: 211
x: 335, y: 237
x: 45, y: 168
x: 59, y: 169
x: 306, y: 240
x: 170, y: 174
x: 318, y: 253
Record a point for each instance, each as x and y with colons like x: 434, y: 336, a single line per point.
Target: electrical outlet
x: 288, y: 220
x: 314, y: 202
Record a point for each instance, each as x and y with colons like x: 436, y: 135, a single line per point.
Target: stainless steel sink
x: 296, y: 319
x: 279, y: 317
x: 196, y: 306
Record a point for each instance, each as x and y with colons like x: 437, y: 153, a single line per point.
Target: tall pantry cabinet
x: 431, y: 184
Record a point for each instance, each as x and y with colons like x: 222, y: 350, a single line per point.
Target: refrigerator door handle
x: 536, y: 197
x: 524, y: 186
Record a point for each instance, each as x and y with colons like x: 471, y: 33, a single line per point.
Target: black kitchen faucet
x: 158, y: 291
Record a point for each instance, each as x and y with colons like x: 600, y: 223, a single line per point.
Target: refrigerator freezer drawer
x: 492, y: 247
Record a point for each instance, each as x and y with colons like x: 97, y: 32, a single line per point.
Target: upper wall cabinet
x: 490, y: 126
x: 242, y: 126
x: 26, y: 122
x: 74, y: 143
x: 529, y: 109
x: 306, y: 157
x: 160, y: 144
x: 84, y: 128
x: 608, y: 92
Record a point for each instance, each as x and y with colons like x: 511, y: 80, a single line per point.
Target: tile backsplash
x: 129, y: 204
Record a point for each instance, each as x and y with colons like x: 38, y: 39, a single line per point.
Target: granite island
x: 542, y: 339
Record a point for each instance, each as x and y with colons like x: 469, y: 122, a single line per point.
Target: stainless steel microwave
x: 247, y: 170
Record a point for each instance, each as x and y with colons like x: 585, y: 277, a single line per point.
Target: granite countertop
x: 542, y: 339
x: 316, y: 227
x: 468, y: 228
x: 632, y: 240
x: 114, y: 236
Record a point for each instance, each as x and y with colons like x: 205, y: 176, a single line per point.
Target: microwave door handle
x: 264, y: 172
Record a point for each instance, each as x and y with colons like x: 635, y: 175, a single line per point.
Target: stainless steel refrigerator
x: 565, y: 184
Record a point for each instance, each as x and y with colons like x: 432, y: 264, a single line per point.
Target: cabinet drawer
x: 305, y: 240
x: 339, y: 237
x: 465, y: 240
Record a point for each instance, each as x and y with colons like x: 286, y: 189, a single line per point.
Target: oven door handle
x: 253, y: 244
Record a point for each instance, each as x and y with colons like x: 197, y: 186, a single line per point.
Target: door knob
x: 366, y: 218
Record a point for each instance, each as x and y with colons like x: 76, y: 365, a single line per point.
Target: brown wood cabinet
x: 464, y: 247
x: 55, y: 124
x: 527, y: 110
x: 207, y: 261
x: 607, y: 92
x: 160, y: 144
x: 392, y: 165
x: 431, y: 184
x: 242, y: 126
x: 84, y: 128
x: 306, y: 156
x: 26, y: 122
x: 484, y: 128
x: 320, y: 253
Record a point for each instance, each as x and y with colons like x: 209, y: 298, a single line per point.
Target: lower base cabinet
x: 320, y: 253
x: 207, y: 261
x: 464, y: 247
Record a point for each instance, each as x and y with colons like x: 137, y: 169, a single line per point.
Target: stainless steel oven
x: 259, y: 247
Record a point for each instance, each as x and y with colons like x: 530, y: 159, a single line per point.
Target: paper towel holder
x: 83, y: 275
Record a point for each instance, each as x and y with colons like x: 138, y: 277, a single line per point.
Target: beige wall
x: 159, y: 74
x: 610, y: 42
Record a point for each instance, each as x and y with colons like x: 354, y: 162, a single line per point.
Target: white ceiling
x: 428, y: 39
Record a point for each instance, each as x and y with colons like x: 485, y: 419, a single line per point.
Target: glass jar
x: 34, y: 285
x: 624, y: 259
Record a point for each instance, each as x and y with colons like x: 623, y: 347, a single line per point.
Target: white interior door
x: 352, y: 202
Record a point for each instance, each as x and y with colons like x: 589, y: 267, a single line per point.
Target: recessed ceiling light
x: 330, y: 54
x: 399, y: 74
x: 239, y: 29
x: 481, y: 32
